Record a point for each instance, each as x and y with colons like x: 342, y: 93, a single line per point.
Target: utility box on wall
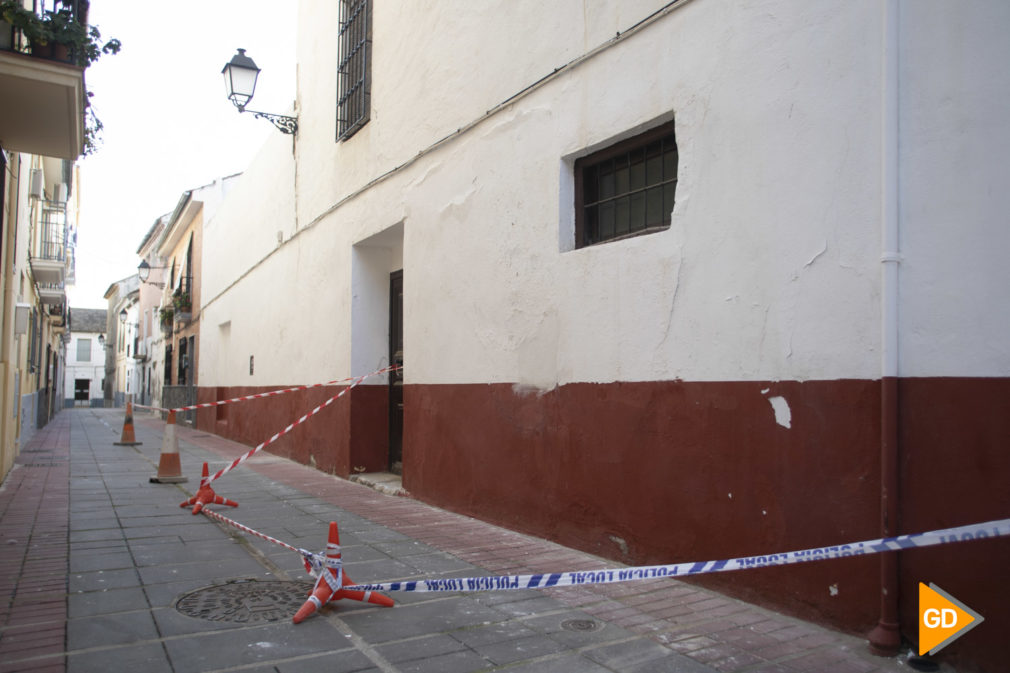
x: 21, y: 313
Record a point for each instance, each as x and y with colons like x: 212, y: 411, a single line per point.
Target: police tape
x: 315, y: 561
x: 270, y: 393
x: 981, y: 531
x: 249, y: 454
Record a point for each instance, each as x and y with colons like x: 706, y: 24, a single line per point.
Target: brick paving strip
x: 34, y: 533
x: 720, y: 632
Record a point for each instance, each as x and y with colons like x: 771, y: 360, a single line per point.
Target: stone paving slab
x: 130, y: 553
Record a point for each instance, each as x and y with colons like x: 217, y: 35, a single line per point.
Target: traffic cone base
x: 323, y: 593
x: 206, y: 496
x: 128, y: 437
x: 169, y: 466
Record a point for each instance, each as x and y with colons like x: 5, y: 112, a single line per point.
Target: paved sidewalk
x: 103, y: 569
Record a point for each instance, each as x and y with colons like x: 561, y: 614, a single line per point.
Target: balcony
x: 42, y: 102
x: 49, y: 258
x: 52, y: 294
x: 58, y: 317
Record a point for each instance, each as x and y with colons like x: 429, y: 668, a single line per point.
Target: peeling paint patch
x: 783, y: 416
x: 525, y: 389
x: 620, y: 542
x: 833, y: 589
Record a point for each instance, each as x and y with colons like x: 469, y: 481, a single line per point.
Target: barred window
x: 626, y: 189
x: 354, y: 70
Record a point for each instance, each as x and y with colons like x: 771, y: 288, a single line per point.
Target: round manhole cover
x: 245, y: 601
x: 580, y: 625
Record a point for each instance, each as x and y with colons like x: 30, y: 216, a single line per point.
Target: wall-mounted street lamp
x: 240, y: 75
x: 122, y: 316
x: 144, y: 272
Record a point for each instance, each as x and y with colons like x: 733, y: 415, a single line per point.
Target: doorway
x: 396, y: 377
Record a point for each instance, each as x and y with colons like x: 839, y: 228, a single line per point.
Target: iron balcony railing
x: 53, y: 243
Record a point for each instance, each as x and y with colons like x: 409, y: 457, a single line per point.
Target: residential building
x: 42, y: 131
x: 180, y: 246
x: 85, y: 371
x: 670, y: 281
x: 151, y: 347
x: 122, y: 375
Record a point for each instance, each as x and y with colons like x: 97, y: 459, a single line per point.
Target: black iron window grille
x: 54, y: 231
x: 354, y: 70
x: 627, y: 189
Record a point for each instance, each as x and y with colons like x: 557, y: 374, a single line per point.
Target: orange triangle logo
x: 942, y: 619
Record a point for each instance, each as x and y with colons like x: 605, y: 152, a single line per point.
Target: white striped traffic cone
x: 169, y: 466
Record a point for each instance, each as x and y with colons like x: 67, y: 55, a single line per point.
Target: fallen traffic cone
x: 332, y: 577
x: 128, y: 438
x: 206, y: 496
x: 169, y: 467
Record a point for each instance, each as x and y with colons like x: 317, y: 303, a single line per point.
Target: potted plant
x: 74, y: 41
x: 167, y: 314
x: 20, y: 19
x: 58, y: 34
x: 182, y: 301
x: 6, y: 29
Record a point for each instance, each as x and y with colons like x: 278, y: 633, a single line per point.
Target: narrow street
x: 104, y: 569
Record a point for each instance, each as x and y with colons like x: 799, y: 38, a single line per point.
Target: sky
x: 168, y: 124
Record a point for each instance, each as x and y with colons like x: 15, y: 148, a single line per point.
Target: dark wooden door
x: 396, y: 377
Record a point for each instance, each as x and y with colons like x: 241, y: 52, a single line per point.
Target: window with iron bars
x: 626, y: 189
x: 354, y: 69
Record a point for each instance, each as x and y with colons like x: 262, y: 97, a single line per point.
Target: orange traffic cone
x: 206, y: 496
x: 128, y: 438
x: 332, y: 577
x: 169, y: 467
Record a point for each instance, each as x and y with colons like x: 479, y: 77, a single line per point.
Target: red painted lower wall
x: 672, y: 471
x: 350, y: 435
x: 954, y: 469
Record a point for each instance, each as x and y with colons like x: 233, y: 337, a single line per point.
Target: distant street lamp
x: 240, y: 74
x: 122, y: 316
x: 144, y: 272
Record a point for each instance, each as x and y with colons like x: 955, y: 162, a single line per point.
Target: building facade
x: 670, y: 281
x: 42, y: 133
x: 85, y: 373
x: 151, y: 346
x: 180, y: 247
x: 122, y: 374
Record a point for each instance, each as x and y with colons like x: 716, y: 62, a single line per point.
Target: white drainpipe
x: 885, y: 638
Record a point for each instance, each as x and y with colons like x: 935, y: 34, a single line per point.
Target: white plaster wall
x: 248, y: 299
x: 770, y: 270
x: 955, y: 232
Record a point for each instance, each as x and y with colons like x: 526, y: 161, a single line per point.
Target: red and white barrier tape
x: 314, y: 562
x: 241, y: 459
x: 271, y: 393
